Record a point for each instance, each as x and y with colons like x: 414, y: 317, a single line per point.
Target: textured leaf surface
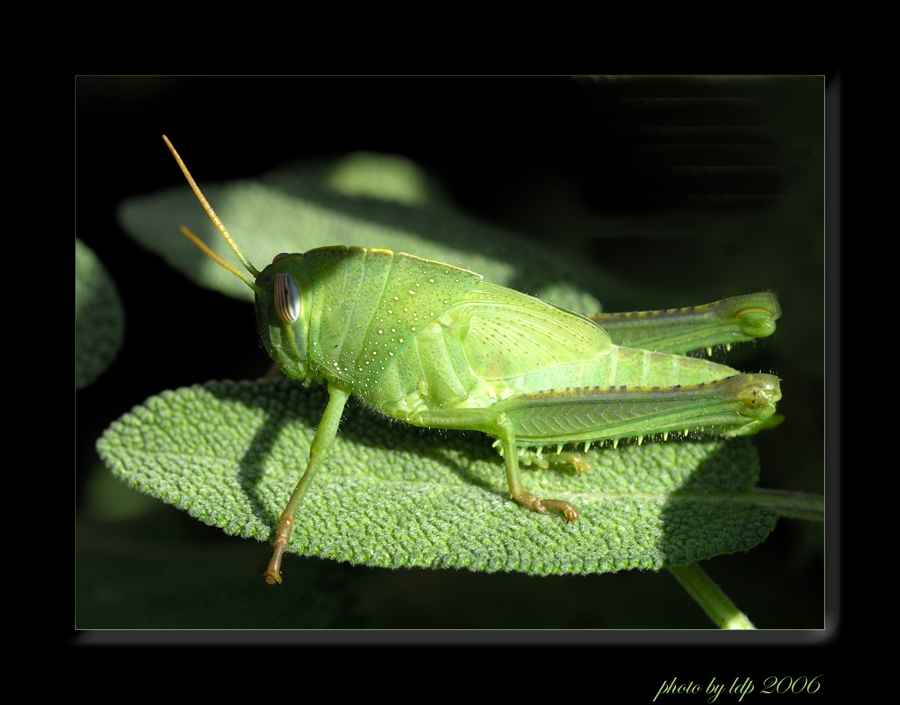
x: 99, y: 317
x: 392, y: 495
x: 304, y: 207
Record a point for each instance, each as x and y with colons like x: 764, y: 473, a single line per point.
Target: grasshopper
x: 435, y: 346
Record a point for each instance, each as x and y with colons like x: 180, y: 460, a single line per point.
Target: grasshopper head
x: 283, y: 312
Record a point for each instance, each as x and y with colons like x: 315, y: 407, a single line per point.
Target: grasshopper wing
x: 508, y: 334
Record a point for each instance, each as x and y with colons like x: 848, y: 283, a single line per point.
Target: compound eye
x: 287, y: 297
x: 278, y: 257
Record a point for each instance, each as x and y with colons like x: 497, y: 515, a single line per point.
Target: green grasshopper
x: 435, y: 346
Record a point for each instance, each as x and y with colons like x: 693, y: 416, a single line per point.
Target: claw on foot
x: 578, y: 460
x: 273, y: 572
x: 569, y: 510
x: 542, y: 506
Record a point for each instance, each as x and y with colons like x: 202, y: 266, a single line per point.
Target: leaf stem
x: 793, y: 505
x: 710, y: 597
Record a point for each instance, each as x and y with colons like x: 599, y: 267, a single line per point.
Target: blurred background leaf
x: 99, y: 318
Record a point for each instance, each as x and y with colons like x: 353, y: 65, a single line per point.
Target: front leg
x: 318, y: 451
